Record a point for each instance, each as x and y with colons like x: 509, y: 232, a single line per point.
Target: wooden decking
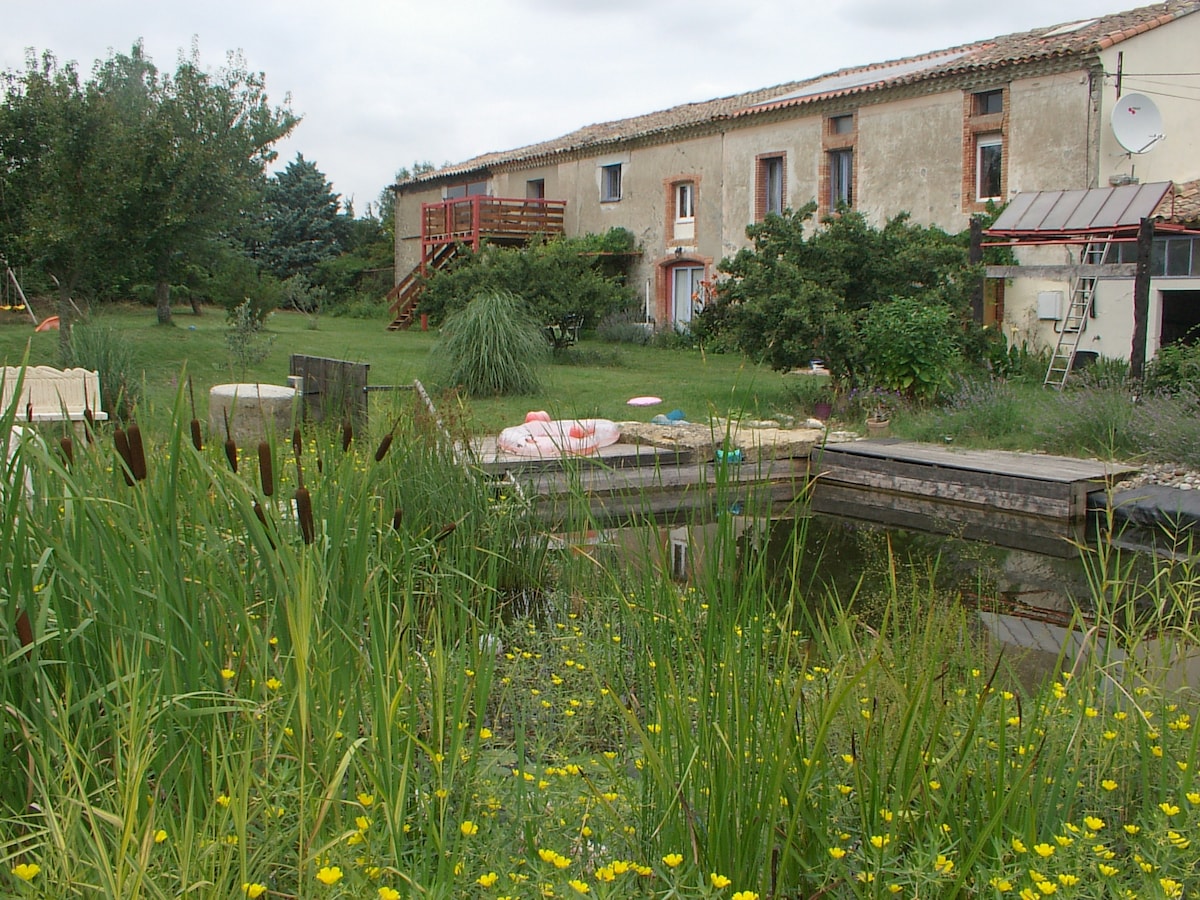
x: 470, y: 220
x: 1028, y: 501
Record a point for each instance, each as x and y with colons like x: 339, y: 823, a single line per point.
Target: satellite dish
x: 1136, y: 123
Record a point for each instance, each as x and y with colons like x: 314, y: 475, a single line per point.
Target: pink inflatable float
x: 541, y: 436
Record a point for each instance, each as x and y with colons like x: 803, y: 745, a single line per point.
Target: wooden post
x: 975, y: 257
x: 1141, y: 299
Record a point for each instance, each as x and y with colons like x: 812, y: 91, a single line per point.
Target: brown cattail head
x: 68, y: 449
x: 29, y: 410
x: 231, y: 453
x: 122, y: 444
x: 397, y: 518
x: 262, y: 517
x: 297, y: 443
x: 89, y: 424
x: 197, y: 438
x: 304, y: 513
x: 445, y: 532
x: 137, y: 452
x: 266, y: 469
x: 25, y: 632
x: 384, y: 446
x: 347, y: 434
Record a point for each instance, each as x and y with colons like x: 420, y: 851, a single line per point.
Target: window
x: 685, y: 201
x: 770, y: 188
x: 610, y: 183
x: 985, y: 148
x: 535, y: 189
x: 469, y: 189
x: 989, y: 159
x: 841, y: 125
x: 988, y: 103
x: 841, y: 178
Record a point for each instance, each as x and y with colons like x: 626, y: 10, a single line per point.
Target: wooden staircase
x: 404, y: 296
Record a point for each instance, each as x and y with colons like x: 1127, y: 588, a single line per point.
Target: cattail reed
x: 68, y: 449
x: 122, y: 445
x: 266, y: 470
x: 446, y: 531
x: 25, y: 633
x: 384, y: 446
x: 137, y: 452
x: 230, y: 444
x: 29, y: 410
x: 297, y: 443
x: 347, y: 434
x: 197, y: 438
x: 397, y: 518
x: 89, y: 424
x: 304, y: 508
x: 262, y: 518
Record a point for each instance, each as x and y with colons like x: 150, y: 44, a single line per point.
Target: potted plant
x: 882, y: 403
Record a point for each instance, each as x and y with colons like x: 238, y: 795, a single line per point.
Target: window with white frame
x: 989, y: 161
x: 685, y: 201
x: 610, y: 183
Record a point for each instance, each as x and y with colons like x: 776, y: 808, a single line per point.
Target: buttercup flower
x: 672, y: 860
x: 718, y: 881
x: 26, y: 871
x: 253, y: 889
x: 388, y: 893
x: 329, y: 874
x: 468, y: 828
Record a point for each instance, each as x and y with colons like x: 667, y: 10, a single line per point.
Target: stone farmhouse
x: 943, y: 136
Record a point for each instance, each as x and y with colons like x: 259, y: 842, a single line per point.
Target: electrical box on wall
x: 1050, y: 305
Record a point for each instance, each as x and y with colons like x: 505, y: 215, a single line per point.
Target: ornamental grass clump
x: 492, y: 347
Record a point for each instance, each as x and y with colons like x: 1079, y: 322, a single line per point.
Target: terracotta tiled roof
x: 1184, y: 207
x: 1071, y: 40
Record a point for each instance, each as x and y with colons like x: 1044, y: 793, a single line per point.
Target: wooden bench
x: 48, y: 394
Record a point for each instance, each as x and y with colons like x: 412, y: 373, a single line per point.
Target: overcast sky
x: 383, y: 84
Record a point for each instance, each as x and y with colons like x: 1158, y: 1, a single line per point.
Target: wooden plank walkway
x: 1025, y: 500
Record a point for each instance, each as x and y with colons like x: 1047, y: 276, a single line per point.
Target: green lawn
x: 598, y: 382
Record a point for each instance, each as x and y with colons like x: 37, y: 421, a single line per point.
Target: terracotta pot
x: 877, y: 427
x: 822, y: 410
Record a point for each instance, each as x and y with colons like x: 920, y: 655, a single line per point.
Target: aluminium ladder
x: 1083, y: 293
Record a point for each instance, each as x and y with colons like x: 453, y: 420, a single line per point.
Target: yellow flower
x: 253, y: 889
x: 468, y: 828
x: 1018, y: 845
x: 1107, y: 871
x: 718, y: 881
x: 879, y: 841
x: 388, y: 893
x: 1043, y: 850
x: 329, y: 874
x: 1171, y: 887
x: 1108, y: 784
x: 1169, y: 808
x: 943, y: 865
x: 745, y: 895
x: 1001, y: 885
x: 485, y: 734
x: 223, y: 800
x: 1068, y: 880
x: 1093, y: 822
x: 160, y: 836
x: 672, y: 860
x: 366, y: 799
x: 579, y: 886
x: 837, y: 852
x: 228, y: 674
x: 26, y: 871
x: 487, y: 880
x: 1132, y: 829
x: 274, y: 683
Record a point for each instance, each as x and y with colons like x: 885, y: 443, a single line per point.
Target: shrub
x: 1174, y: 367
x: 493, y: 347
x: 248, y: 344
x: 624, y: 327
x: 104, y: 350
x: 912, y: 346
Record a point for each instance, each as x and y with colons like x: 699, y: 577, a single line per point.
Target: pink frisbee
x: 643, y: 401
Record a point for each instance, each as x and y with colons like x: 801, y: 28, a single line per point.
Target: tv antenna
x: 1136, y: 123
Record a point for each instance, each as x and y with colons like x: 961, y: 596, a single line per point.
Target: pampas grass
x: 491, y: 348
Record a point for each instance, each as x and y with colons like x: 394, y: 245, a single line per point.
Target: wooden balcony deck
x: 472, y: 220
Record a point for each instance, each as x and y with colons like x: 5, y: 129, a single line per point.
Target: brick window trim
x: 975, y: 127
x: 760, y: 182
x: 831, y: 142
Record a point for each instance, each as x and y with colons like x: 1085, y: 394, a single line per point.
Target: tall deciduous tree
x: 55, y: 190
x: 196, y: 158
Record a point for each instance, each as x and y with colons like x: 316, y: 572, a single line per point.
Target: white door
x: 685, y: 294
